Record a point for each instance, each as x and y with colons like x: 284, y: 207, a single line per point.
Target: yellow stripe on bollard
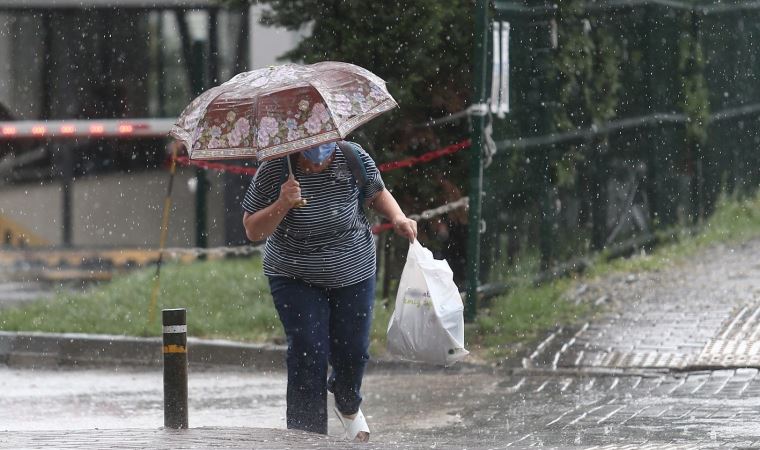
x: 172, y: 348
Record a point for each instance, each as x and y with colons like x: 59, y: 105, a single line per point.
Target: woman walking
x: 320, y: 261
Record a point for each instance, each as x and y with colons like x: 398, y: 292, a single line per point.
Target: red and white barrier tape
x: 377, y: 229
x: 424, y: 158
x: 240, y: 170
x: 427, y: 214
x: 244, y: 250
x: 240, y: 250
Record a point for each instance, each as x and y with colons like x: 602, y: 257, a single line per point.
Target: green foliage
x: 565, y: 168
x: 421, y: 47
x: 586, y: 68
x: 694, y: 95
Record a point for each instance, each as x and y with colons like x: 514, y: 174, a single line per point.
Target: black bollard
x: 175, y: 367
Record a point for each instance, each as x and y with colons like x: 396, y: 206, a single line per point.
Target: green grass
x: 522, y: 316
x: 230, y: 299
x: 734, y: 221
x: 226, y: 299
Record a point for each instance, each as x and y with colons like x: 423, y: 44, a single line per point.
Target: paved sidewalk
x: 701, y: 314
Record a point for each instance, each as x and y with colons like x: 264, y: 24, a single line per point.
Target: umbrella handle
x: 302, y: 202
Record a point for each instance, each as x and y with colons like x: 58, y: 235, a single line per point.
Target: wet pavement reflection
x: 441, y: 409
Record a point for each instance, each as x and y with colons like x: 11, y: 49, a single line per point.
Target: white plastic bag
x: 427, y: 324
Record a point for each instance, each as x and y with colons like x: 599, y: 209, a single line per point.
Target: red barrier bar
x: 185, y: 161
x: 425, y: 157
x: 377, y: 229
x: 393, y: 165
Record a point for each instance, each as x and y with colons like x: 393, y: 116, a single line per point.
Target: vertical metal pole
x: 46, y: 82
x: 199, y: 83
x: 698, y: 181
x: 175, y: 368
x: 598, y: 195
x: 242, y: 55
x: 476, y: 158
x: 546, y: 221
x: 67, y: 180
x: 160, y: 81
x: 213, y: 48
x: 649, y: 137
x: 235, y: 186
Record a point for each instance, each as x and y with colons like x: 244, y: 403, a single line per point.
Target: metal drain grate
x: 737, y: 344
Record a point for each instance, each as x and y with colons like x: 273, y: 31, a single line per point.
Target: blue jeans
x: 323, y: 325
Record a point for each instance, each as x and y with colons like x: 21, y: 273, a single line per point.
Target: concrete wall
x: 20, y: 88
x: 269, y: 43
x: 36, y: 207
x: 117, y: 210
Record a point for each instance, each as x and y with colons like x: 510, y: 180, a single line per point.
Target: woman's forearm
x: 261, y: 224
x: 386, y: 205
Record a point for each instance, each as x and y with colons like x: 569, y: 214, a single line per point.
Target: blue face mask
x: 318, y: 155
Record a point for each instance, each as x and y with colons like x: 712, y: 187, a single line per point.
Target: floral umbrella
x: 275, y: 111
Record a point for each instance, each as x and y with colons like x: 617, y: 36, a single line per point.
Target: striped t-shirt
x: 328, y: 242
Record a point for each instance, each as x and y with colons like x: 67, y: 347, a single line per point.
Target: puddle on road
x: 110, y: 399
x: 87, y: 399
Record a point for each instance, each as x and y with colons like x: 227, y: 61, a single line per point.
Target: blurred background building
x: 90, y: 60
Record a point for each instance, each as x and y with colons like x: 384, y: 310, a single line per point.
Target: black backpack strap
x: 351, y: 151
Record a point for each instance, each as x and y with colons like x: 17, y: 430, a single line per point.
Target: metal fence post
x: 476, y: 159
x: 175, y: 367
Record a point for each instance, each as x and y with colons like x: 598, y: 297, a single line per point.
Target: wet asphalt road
x: 672, y: 363
x: 74, y: 403
x: 89, y: 408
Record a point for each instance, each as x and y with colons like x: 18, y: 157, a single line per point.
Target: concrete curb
x: 50, y: 349
x: 37, y: 349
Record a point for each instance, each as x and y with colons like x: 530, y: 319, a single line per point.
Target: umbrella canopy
x: 275, y: 111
